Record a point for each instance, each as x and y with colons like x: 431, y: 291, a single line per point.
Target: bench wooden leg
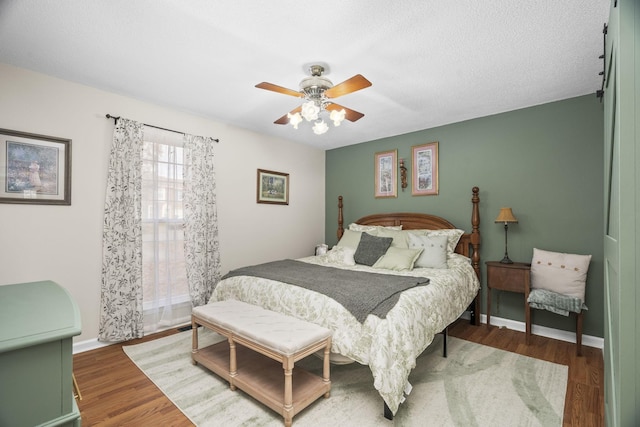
x: 233, y: 365
x: 288, y: 391
x: 326, y: 367
x: 194, y: 340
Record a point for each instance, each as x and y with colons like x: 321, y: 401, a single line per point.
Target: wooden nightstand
x: 509, y: 277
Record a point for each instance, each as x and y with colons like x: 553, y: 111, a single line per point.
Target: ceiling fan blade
x: 285, y: 119
x: 353, y: 84
x: 279, y: 89
x: 350, y: 115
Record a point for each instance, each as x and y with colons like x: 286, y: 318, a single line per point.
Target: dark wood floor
x: 116, y: 393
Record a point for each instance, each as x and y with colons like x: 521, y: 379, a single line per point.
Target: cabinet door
x: 621, y: 251
x: 32, y: 385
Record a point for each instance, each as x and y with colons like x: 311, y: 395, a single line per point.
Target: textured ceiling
x: 431, y: 62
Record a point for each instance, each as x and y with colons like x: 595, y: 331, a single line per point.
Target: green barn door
x: 622, y: 216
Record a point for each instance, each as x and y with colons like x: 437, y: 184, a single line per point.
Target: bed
x: 390, y: 341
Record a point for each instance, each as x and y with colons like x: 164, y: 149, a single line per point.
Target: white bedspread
x: 388, y: 346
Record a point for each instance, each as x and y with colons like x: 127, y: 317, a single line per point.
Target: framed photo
x: 273, y: 187
x: 386, y: 174
x: 424, y: 174
x: 34, y: 169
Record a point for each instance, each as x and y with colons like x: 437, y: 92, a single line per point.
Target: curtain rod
x: 116, y: 118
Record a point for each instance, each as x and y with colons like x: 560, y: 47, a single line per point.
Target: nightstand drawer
x: 508, y: 277
x: 513, y: 277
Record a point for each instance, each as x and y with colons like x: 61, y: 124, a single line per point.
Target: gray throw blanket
x: 362, y: 293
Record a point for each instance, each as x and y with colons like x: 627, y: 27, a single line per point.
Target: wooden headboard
x: 468, y: 245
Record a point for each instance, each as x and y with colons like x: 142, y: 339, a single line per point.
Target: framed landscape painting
x: 424, y: 174
x: 386, y: 174
x: 273, y: 187
x: 34, y: 169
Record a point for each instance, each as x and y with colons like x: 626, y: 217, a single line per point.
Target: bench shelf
x: 261, y: 377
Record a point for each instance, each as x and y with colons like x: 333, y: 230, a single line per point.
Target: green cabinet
x: 37, y: 323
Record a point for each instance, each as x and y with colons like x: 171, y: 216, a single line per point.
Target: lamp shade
x: 506, y: 215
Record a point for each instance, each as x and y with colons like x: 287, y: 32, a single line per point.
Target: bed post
x: 475, y: 257
x: 340, y: 219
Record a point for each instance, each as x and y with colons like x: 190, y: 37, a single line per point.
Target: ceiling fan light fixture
x: 318, y: 93
x: 310, y: 111
x: 295, y: 119
x: 337, y: 116
x: 320, y: 127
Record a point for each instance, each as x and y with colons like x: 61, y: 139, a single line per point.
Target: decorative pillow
x: 398, y: 259
x: 453, y: 236
x: 359, y: 227
x: 341, y: 255
x: 559, y: 272
x: 434, y: 250
x: 350, y: 239
x: 371, y: 248
x: 399, y: 237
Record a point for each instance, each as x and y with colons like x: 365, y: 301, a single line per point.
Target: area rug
x: 475, y: 385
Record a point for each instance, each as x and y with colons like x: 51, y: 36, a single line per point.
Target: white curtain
x: 201, y: 219
x: 121, y: 291
x: 165, y: 287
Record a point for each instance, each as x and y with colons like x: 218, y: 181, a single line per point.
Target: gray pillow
x: 371, y: 248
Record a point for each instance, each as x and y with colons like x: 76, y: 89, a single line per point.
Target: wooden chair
x: 559, y: 304
x: 558, y: 285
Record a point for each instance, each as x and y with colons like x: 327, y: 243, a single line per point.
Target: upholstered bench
x: 282, y: 339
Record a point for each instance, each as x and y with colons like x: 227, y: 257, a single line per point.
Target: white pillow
x: 398, y: 259
x: 341, y: 255
x: 453, y: 236
x: 434, y: 250
x: 368, y: 228
x: 559, y: 272
x: 350, y: 239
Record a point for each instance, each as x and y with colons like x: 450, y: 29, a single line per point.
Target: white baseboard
x: 92, y: 344
x: 557, y: 334
x: 544, y: 331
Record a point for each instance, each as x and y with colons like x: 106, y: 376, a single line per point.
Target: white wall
x: 64, y: 243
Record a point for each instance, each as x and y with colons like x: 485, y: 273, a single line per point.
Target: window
x: 164, y: 280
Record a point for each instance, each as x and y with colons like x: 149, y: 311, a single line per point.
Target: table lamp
x: 506, y: 216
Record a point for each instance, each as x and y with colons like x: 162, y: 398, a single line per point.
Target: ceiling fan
x: 318, y: 92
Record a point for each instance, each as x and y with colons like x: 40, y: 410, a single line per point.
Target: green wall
x: 545, y: 162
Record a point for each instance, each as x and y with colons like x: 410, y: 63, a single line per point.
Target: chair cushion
x: 559, y: 272
x: 555, y: 302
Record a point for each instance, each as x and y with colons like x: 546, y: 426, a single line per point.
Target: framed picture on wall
x: 34, y: 169
x: 424, y: 174
x: 273, y: 187
x: 386, y: 174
